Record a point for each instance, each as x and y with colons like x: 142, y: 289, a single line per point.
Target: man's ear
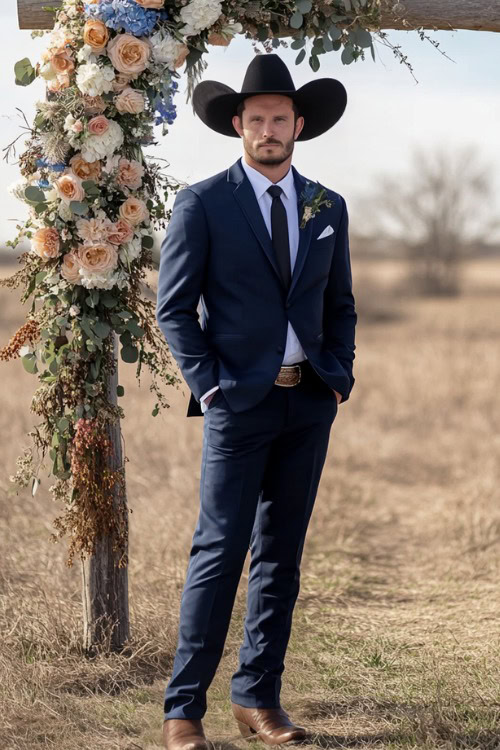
x: 237, y: 125
x: 298, y: 126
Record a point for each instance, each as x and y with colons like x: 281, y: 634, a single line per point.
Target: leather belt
x: 289, y: 375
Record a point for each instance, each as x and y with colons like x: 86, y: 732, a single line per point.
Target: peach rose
x: 120, y: 232
x: 130, y: 174
x: 69, y: 268
x: 46, y: 243
x: 151, y: 3
x: 98, y: 125
x: 84, y: 169
x: 69, y: 188
x: 121, y: 81
x: 101, y: 257
x: 93, y: 230
x: 130, y: 100
x: 94, y: 105
x: 129, y: 54
x: 134, y: 210
x: 62, y: 61
x: 95, y: 34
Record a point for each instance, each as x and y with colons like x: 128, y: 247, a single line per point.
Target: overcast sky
x: 455, y: 102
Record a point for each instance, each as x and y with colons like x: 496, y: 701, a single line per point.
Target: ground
x: 396, y: 634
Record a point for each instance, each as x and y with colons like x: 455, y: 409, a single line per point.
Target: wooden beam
x: 31, y: 15
x: 477, y: 15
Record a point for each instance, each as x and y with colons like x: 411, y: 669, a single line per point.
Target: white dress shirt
x: 260, y: 183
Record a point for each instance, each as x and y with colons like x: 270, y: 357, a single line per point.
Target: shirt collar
x: 260, y: 182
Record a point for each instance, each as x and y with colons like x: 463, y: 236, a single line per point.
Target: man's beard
x: 258, y: 153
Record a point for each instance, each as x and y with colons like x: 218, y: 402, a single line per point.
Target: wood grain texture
x: 31, y: 15
x: 104, y: 585
x: 479, y: 15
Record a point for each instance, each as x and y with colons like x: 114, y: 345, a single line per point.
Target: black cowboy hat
x: 321, y: 102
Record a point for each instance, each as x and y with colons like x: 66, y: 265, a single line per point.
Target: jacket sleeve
x: 183, y: 260
x: 339, y: 310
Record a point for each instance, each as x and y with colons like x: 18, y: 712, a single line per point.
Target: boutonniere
x: 312, y: 199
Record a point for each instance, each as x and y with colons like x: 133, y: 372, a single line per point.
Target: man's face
x: 267, y: 128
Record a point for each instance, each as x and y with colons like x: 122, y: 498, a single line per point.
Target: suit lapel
x: 245, y: 197
x: 305, y: 234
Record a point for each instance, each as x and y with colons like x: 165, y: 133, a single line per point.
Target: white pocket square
x: 326, y: 231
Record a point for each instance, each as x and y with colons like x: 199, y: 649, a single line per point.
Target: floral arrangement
x: 111, y: 69
x: 312, y: 199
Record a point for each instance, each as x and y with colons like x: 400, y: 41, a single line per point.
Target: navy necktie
x: 279, y: 232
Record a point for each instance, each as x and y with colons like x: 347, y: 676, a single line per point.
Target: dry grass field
x: 396, y: 639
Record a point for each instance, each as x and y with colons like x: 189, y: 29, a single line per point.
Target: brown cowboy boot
x: 271, y: 725
x: 184, y: 734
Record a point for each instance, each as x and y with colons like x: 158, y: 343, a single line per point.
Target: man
x: 268, y: 366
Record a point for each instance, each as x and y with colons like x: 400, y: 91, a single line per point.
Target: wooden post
x: 106, y: 621
x: 104, y: 585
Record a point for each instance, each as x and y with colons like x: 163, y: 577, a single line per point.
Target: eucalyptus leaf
x: 79, y: 207
x: 120, y: 390
x: 298, y: 44
x: 34, y: 194
x: 40, y: 276
x: 327, y: 44
x: 335, y: 33
x: 29, y: 363
x: 303, y: 6
x: 24, y: 72
x: 296, y: 20
x: 347, y: 55
x: 300, y: 57
x: 135, y: 329
x: 147, y: 242
x: 63, y: 424
x: 361, y: 37
x: 40, y: 208
x: 129, y: 354
x: 102, y: 329
x: 314, y: 63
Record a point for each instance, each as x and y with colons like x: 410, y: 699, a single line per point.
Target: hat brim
x: 321, y: 102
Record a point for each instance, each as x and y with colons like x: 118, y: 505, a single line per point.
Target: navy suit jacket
x: 217, y: 250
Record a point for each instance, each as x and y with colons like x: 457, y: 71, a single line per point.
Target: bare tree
x: 437, y: 213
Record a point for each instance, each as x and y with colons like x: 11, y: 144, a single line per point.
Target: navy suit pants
x: 259, y: 477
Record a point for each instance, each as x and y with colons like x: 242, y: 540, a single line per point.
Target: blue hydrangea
x: 43, y: 183
x: 164, y: 106
x: 126, y: 15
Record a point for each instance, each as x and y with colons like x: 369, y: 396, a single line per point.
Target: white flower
x: 102, y: 280
x: 86, y: 54
x: 94, y: 80
x: 131, y: 250
x: 74, y: 310
x: 166, y: 49
x: 24, y: 350
x: 97, y: 147
x: 199, y: 15
x: 65, y: 211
